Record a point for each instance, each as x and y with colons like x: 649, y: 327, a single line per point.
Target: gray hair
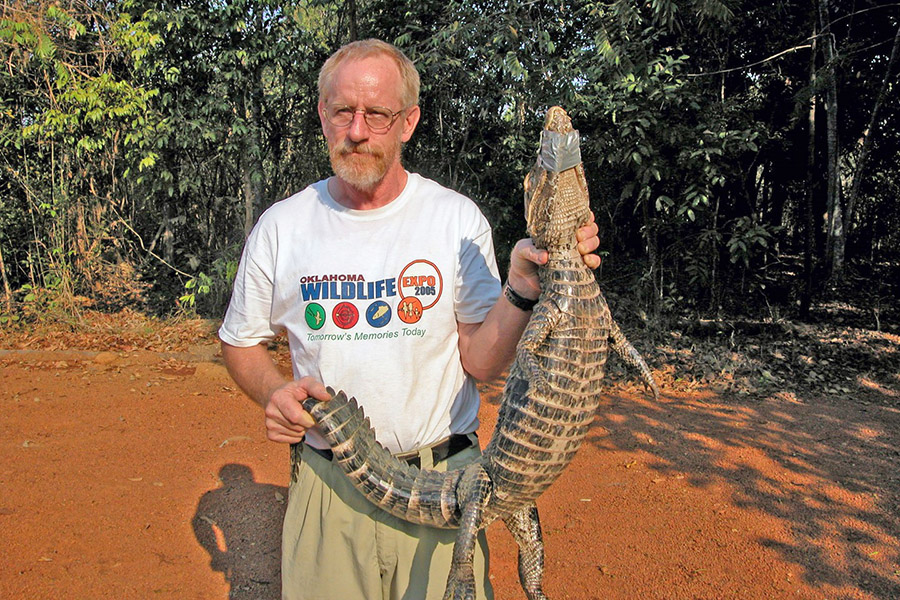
x: 409, y: 77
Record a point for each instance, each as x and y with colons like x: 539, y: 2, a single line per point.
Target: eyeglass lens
x: 376, y: 117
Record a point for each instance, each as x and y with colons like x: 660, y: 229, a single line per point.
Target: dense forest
x: 744, y: 156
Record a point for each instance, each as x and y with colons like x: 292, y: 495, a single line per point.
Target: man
x: 387, y: 286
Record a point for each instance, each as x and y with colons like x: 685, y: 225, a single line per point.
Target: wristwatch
x: 517, y: 299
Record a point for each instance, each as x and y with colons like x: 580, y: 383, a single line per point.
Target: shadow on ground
x: 826, y: 466
x: 239, y: 525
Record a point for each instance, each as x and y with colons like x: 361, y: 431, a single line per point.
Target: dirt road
x: 133, y: 475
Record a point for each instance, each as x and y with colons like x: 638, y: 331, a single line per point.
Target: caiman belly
x: 542, y: 423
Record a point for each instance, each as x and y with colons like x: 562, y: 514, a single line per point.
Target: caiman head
x: 556, y: 196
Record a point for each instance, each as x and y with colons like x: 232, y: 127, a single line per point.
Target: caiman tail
x: 424, y: 497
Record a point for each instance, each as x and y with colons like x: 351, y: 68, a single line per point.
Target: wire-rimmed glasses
x: 378, y: 118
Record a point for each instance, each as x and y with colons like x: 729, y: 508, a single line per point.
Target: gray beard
x: 361, y: 177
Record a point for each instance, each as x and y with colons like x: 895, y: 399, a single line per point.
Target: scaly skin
x: 549, y: 401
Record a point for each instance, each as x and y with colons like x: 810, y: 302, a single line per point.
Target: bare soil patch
x: 131, y: 467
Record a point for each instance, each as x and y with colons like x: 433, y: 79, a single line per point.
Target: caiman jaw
x: 556, y: 199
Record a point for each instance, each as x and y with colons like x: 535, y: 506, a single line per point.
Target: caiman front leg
x: 525, y: 527
x: 473, y: 493
x: 543, y: 321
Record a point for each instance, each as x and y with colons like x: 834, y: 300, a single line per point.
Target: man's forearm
x: 253, y: 370
x: 488, y: 348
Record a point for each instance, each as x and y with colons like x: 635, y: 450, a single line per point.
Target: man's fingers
x: 525, y: 249
x: 285, y: 409
x: 591, y: 260
x: 588, y: 246
x: 295, y: 422
x: 588, y: 242
x: 313, y: 389
x: 284, y: 436
x: 586, y: 232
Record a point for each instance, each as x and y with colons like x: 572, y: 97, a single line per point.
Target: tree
x: 73, y: 125
x: 141, y: 139
x: 237, y: 86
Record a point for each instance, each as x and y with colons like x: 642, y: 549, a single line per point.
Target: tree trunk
x: 7, y: 292
x: 652, y: 243
x: 715, y: 286
x: 251, y: 168
x: 168, y: 236
x: 835, y: 233
x: 354, y: 28
x: 865, y: 143
x: 809, y: 246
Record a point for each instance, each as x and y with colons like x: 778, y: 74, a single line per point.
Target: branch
x: 859, y: 12
x: 143, y: 247
x: 801, y: 47
x: 759, y: 62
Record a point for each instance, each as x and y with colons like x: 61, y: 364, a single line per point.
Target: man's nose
x: 358, y: 129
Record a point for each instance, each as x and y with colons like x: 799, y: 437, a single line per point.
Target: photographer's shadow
x: 239, y: 525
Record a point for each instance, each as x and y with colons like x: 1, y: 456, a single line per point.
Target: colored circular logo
x: 410, y: 309
x: 315, y: 315
x: 378, y: 314
x: 422, y: 279
x: 345, y: 315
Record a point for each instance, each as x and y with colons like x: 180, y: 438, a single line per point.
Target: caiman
x: 551, y: 394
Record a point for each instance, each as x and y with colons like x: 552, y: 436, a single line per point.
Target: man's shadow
x: 239, y: 525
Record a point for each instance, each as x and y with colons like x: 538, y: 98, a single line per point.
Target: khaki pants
x: 336, y: 545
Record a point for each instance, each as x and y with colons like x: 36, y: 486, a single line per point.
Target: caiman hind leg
x: 627, y: 352
x: 525, y: 527
x: 473, y: 493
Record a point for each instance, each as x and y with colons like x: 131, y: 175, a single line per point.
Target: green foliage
x: 140, y: 139
x: 212, y: 291
x: 68, y: 134
x: 236, y: 87
x: 748, y: 240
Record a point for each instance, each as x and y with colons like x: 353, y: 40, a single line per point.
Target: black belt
x: 454, y: 444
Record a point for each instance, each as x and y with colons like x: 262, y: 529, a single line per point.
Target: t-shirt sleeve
x: 248, y: 320
x: 478, y: 281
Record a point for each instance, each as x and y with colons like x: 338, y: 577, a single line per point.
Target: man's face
x: 360, y: 156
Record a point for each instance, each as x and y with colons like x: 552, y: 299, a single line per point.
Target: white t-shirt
x: 370, y: 301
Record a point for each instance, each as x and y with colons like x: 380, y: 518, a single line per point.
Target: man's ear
x: 409, y: 122
x: 320, y: 106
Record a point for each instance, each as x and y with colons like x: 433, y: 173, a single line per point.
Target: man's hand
x: 254, y: 371
x: 286, y: 421
x: 525, y: 259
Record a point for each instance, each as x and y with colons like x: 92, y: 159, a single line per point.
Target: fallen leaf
x: 231, y: 440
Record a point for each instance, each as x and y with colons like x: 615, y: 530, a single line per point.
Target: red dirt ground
x: 136, y: 474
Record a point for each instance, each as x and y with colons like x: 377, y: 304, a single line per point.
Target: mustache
x: 347, y: 147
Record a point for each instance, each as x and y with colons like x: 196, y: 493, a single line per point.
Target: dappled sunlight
x: 868, y: 433
x: 869, y: 384
x: 705, y: 441
x: 825, y: 467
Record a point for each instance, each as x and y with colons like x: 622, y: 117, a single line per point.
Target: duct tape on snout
x: 559, y: 151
